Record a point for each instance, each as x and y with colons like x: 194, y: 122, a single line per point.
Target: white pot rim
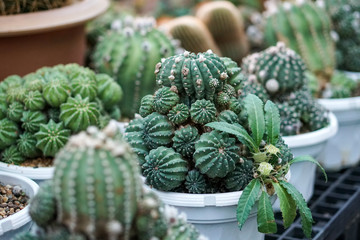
x: 40, y: 173
x: 340, y: 104
x: 200, y: 200
x: 315, y: 137
x: 67, y: 16
x: 22, y: 217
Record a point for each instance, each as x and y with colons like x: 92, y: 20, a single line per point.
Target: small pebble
x: 12, y: 200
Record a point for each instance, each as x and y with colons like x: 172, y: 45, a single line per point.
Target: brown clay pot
x: 32, y: 40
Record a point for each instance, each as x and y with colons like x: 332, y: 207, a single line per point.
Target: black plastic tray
x: 335, y: 206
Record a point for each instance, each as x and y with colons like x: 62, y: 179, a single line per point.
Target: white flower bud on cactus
x: 265, y: 168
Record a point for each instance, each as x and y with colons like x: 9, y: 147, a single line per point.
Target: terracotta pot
x: 32, y: 40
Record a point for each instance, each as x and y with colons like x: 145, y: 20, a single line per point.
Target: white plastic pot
x: 313, y: 144
x: 214, y: 215
x: 37, y: 174
x: 343, y: 149
x: 353, y: 75
x: 20, y: 221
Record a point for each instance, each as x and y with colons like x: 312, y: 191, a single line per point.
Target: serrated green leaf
x: 237, y: 130
x: 247, y: 201
x: 254, y: 108
x: 308, y: 158
x: 272, y: 122
x: 305, y: 213
x: 287, y: 204
x: 265, y: 215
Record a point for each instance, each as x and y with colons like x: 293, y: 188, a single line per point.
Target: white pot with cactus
x: 23, y: 189
x: 38, y: 113
x: 200, y: 155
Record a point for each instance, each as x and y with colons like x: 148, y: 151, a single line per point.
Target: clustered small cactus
x: 176, y: 151
x: 279, y: 75
x: 40, y: 111
x: 345, y: 16
x: 8, y: 7
x: 128, y: 53
x: 305, y: 28
x: 96, y: 193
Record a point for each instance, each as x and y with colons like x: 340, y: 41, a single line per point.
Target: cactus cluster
x: 345, y: 16
x: 280, y: 74
x: 217, y: 25
x: 304, y: 27
x: 128, y: 53
x: 96, y: 193
x: 8, y: 7
x: 41, y: 110
x: 176, y: 151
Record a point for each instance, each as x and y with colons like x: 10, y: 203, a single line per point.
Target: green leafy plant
x: 269, y: 177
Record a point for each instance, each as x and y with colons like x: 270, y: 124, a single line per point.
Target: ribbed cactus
x: 305, y: 28
x: 9, y: 132
x: 56, y: 91
x: 158, y: 131
x: 27, y: 145
x: 203, y: 111
x: 8, y: 7
x: 195, y: 182
x: 108, y: 91
x: 96, y: 193
x: 226, y: 26
x: 79, y: 113
x: 241, y: 176
x: 12, y: 155
x: 179, y: 114
x: 34, y: 101
x: 345, y: 16
x: 279, y: 74
x: 31, y: 120
x: 164, y: 100
x: 15, y: 111
x: 164, y: 169
x: 129, y: 55
x: 184, y: 141
x: 192, y: 33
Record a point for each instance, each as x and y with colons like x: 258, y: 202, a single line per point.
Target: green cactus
x: 108, y: 91
x: 27, y: 145
x: 164, y: 169
x: 182, y: 230
x: 278, y: 69
x: 305, y: 28
x: 158, y: 131
x: 43, y: 206
x: 12, y: 155
x: 79, y: 113
x: 226, y: 26
x: 164, y: 100
x: 290, y: 119
x: 228, y: 116
x: 18, y: 6
x: 54, y: 114
x: 87, y: 159
x: 129, y: 55
x: 134, y: 135
x: 195, y: 182
x: 56, y: 92
x: 33, y: 82
x: 179, y: 114
x: 316, y: 117
x: 84, y: 85
x: 11, y: 82
x: 31, y: 120
x: 51, y: 137
x: 184, y: 141
x: 34, y: 101
x: 9, y: 133
x: 203, y: 111
x: 15, y: 111
x: 147, y: 105
x: 26, y: 236
x: 241, y: 176
x: 196, y: 76
x: 216, y: 154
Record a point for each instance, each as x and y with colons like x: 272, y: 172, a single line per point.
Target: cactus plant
x: 41, y: 110
x: 345, y: 16
x: 129, y: 56
x: 226, y: 26
x: 72, y: 206
x: 305, y: 28
x: 15, y: 7
x: 279, y: 74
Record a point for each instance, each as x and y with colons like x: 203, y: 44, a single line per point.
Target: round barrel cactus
x: 129, y: 55
x: 9, y: 132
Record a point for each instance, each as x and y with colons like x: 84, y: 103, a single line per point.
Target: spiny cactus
x: 12, y: 155
x: 9, y: 132
x: 192, y: 33
x: 305, y: 28
x: 279, y: 74
x: 129, y: 55
x: 241, y: 176
x: 15, y: 111
x: 195, y: 182
x: 27, y: 145
x: 34, y: 101
x: 56, y: 91
x: 179, y: 114
x: 164, y: 100
x: 226, y: 26
x: 8, y: 7
x: 158, y: 131
x: 31, y: 120
x: 203, y: 111
x: 345, y: 16
x: 96, y: 194
x: 108, y: 91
